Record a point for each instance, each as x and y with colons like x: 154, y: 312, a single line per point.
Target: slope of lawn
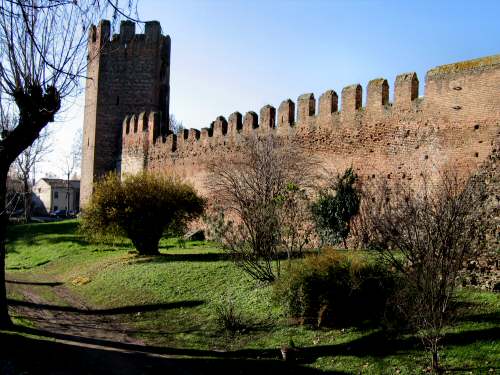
x: 182, y: 290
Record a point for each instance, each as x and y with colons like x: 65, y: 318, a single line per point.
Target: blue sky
x: 230, y: 55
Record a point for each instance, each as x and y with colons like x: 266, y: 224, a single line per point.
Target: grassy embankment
x: 183, y: 287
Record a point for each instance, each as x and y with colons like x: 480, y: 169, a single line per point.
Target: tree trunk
x: 5, y: 321
x: 67, y: 195
x: 146, y: 245
x: 37, y: 107
x: 27, y: 200
x: 435, y: 362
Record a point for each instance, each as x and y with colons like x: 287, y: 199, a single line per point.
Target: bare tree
x: 295, y: 219
x: 24, y: 167
x: 427, y: 234
x: 174, y: 125
x: 254, y: 191
x: 71, y: 164
x: 42, y: 60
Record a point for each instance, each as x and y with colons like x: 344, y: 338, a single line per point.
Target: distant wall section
x: 452, y: 127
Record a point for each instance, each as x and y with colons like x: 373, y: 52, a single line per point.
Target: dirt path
x: 73, y: 317
x: 71, y: 338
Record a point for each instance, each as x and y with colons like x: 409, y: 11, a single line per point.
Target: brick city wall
x: 453, y: 126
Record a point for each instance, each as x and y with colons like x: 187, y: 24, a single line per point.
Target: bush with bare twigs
x: 426, y: 233
x: 335, y: 289
x: 263, y: 208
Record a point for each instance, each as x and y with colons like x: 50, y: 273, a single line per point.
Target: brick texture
x: 453, y: 126
x: 129, y: 73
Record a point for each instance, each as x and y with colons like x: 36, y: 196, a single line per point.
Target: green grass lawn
x: 181, y: 289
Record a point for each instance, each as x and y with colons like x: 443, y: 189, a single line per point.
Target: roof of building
x: 60, y: 183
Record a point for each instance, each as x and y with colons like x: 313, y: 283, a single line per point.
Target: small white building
x: 53, y: 194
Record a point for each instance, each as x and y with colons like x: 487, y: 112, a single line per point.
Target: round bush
x: 335, y: 289
x: 140, y: 207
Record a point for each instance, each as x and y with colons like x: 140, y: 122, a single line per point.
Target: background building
x: 52, y: 194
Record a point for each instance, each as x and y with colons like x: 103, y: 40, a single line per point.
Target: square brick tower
x: 128, y: 73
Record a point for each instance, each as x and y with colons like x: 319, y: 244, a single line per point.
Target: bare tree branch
x: 42, y: 62
x: 255, y: 191
x: 427, y: 234
x: 25, y: 164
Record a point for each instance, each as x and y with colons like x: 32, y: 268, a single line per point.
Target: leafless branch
x: 42, y: 62
x: 426, y: 233
x: 255, y: 190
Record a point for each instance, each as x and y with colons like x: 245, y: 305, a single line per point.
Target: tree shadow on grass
x: 469, y: 337
x: 37, y: 240
x: 194, y: 257
x: 160, y: 350
x: 77, y: 239
x: 468, y: 312
x: 376, y: 344
x: 17, y: 232
x: 112, y: 311
x: 103, y: 245
x: 49, y: 357
x: 493, y: 318
x: 190, y: 257
x: 51, y: 284
x: 61, y: 232
x: 24, y: 267
x: 379, y: 344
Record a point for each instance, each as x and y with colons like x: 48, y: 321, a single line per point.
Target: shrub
x: 140, y: 207
x: 335, y: 208
x: 335, y: 289
x: 227, y: 316
x: 432, y: 232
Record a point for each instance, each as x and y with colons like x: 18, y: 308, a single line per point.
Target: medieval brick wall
x: 129, y: 73
x: 453, y: 126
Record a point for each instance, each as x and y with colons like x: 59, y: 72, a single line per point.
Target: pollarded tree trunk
x: 37, y: 107
x: 5, y: 321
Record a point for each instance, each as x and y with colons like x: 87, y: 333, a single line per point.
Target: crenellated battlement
x: 452, y: 125
x: 100, y: 35
x: 323, y: 115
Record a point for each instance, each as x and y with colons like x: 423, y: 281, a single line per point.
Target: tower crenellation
x: 128, y: 74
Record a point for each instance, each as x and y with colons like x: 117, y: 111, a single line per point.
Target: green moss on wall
x: 465, y: 65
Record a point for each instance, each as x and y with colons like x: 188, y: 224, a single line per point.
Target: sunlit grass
x: 199, y: 277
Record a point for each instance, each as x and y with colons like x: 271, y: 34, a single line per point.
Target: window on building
x: 56, y: 194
